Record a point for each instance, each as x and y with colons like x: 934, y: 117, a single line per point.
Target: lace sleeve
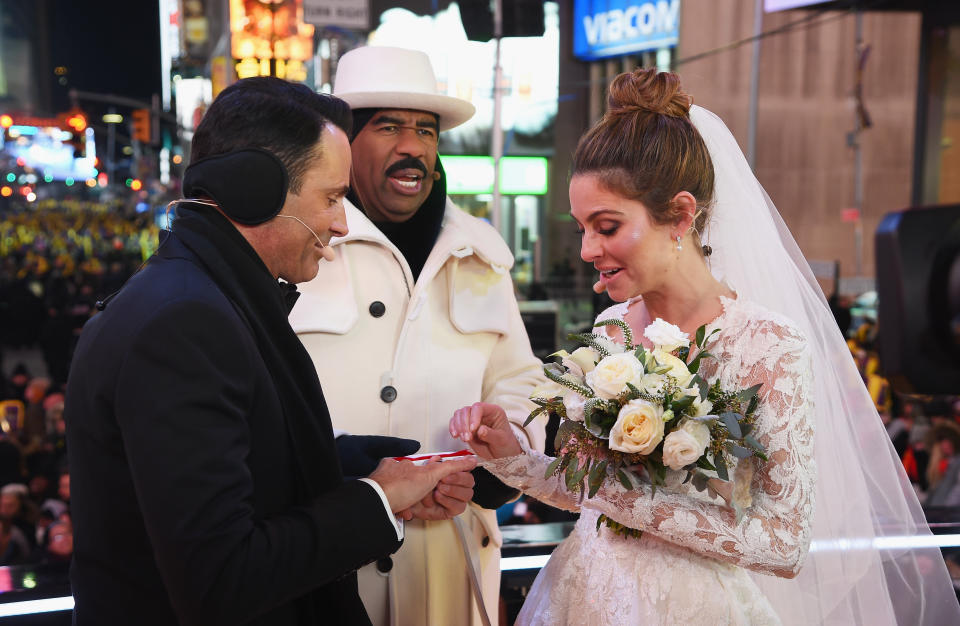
x: 774, y: 534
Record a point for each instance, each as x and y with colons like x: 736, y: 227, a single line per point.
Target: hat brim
x: 452, y: 111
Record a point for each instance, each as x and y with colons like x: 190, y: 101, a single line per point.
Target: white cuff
x: 397, y: 521
x: 522, y: 437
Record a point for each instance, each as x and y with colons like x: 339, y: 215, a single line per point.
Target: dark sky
x: 107, y: 46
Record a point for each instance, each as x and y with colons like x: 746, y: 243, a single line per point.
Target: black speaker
x: 477, y: 18
x: 521, y: 18
x: 918, y: 288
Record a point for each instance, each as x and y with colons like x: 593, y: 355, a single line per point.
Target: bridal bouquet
x: 623, y: 407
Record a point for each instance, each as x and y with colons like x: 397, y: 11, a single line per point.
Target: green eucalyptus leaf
x: 624, y: 479
x: 739, y: 451
x: 597, y: 474
x: 732, y: 422
x: 534, y: 413
x: 569, y: 475
x: 758, y: 448
x: 748, y: 394
x: 640, y: 353
x: 701, y: 384
x: 579, y: 475
x: 694, y: 365
x: 721, y: 465
x: 657, y: 471
x: 679, y: 406
x: 699, y: 481
x: 565, y: 431
x: 703, y: 463
x: 553, y: 467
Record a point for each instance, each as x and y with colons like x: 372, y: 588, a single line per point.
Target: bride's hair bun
x: 646, y: 90
x: 646, y: 148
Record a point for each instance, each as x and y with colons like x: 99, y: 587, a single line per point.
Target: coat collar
x: 461, y: 235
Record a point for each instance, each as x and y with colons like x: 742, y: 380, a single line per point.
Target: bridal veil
x: 872, y: 559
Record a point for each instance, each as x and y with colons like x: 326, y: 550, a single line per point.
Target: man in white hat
x: 415, y: 318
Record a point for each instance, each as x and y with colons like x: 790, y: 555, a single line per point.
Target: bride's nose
x: 590, y: 248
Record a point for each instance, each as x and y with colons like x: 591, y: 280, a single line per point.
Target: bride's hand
x: 486, y: 429
x: 723, y: 488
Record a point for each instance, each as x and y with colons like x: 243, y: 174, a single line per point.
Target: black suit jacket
x: 184, y: 491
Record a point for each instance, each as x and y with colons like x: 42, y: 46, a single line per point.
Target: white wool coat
x: 453, y: 337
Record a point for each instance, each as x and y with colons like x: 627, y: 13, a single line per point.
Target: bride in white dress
x: 651, y: 176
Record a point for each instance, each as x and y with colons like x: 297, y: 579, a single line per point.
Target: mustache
x: 407, y: 163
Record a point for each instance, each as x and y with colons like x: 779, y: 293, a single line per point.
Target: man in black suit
x: 205, y: 479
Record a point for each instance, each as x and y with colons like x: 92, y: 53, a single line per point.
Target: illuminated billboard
x: 270, y: 38
x: 606, y: 28
x: 474, y: 175
x: 52, y: 151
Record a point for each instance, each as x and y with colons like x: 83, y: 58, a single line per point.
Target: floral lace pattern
x: 688, y: 565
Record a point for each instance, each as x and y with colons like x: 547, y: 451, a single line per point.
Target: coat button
x: 377, y: 309
x: 384, y: 565
x: 485, y: 542
x: 388, y: 393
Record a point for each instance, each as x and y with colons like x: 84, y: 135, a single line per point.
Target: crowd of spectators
x: 34, y: 477
x: 925, y: 430
x: 57, y: 258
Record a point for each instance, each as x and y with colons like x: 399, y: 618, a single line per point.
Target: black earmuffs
x: 249, y: 185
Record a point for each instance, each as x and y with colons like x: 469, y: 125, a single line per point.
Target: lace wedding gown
x: 690, y: 565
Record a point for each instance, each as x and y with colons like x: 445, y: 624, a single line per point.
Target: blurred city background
x: 848, y: 111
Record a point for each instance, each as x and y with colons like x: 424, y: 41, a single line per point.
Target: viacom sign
x: 605, y: 28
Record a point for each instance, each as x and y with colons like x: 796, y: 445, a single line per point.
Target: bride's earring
x: 679, y: 245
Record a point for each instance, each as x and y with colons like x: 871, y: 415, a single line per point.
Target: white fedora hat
x: 396, y: 78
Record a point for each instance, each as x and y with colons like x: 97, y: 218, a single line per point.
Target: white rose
x: 586, y: 358
x: 665, y: 336
x: 685, y: 445
x: 678, y: 369
x: 653, y: 384
x: 639, y: 428
x: 611, y: 375
x: 548, y: 390
x: 573, y: 402
x: 700, y: 407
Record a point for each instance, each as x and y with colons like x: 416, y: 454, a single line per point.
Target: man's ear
x: 685, y: 206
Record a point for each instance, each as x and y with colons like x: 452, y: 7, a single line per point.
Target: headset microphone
x: 326, y: 252
x: 599, y: 287
x: 435, y: 175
